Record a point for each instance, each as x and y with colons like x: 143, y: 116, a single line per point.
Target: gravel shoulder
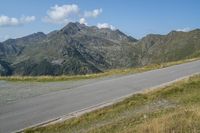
x: 11, y: 92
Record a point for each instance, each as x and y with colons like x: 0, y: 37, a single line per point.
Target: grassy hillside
x: 171, y: 47
x: 175, y: 108
x: 97, y: 75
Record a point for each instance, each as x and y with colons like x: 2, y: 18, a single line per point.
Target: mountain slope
x: 80, y: 49
x: 171, y: 47
x: 75, y: 49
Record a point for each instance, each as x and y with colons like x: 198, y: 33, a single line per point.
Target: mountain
x: 81, y: 49
x: 75, y: 49
x: 171, y: 47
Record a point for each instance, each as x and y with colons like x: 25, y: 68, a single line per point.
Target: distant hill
x: 80, y: 49
x: 171, y: 47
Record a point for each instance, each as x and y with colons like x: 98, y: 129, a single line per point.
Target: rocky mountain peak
x: 72, y: 28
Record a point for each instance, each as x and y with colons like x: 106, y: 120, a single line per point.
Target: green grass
x: 95, y: 75
x: 175, y: 108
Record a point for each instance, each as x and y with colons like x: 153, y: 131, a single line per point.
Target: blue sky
x: 134, y: 17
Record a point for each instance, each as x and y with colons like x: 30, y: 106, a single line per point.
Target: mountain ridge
x: 81, y: 49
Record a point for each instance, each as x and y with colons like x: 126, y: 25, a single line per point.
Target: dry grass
x: 181, y: 120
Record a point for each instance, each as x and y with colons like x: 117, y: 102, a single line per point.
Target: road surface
x: 38, y: 109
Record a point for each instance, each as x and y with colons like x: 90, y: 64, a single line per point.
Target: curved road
x: 42, y: 108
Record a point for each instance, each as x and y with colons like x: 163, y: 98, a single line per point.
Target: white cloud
x: 61, y: 14
x: 27, y: 19
x: 184, y: 29
x: 4, y: 37
x: 11, y: 21
x: 83, y: 21
x: 93, y: 14
x: 105, y: 25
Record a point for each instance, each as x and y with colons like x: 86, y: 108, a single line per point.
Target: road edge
x: 89, y: 109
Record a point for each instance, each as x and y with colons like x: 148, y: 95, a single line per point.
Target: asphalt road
x: 45, y: 107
